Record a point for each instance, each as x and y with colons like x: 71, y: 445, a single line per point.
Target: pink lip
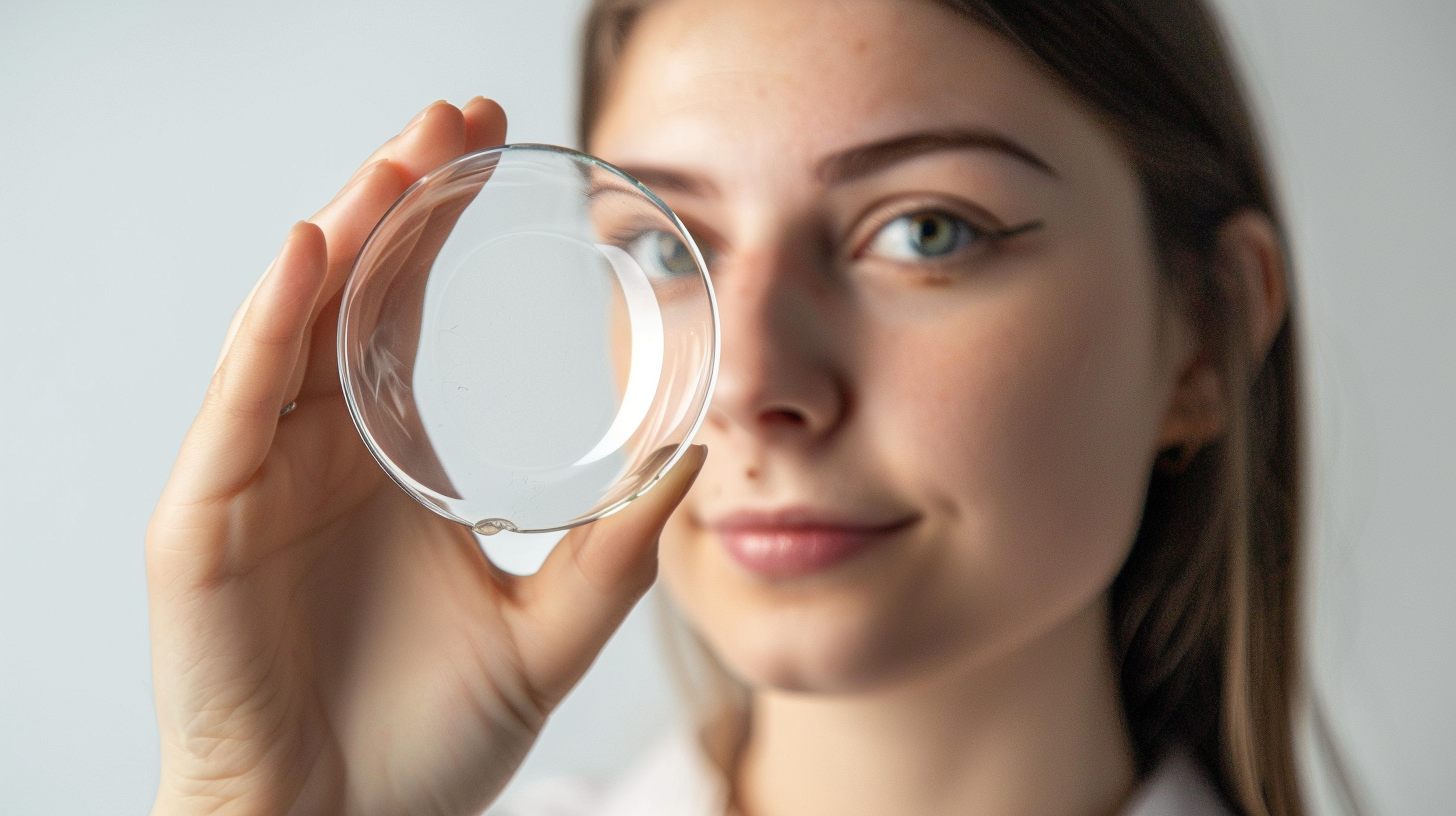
x: 797, y: 542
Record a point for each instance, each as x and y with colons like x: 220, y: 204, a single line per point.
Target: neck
x: 1037, y: 731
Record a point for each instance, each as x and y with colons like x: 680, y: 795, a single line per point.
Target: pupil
x: 932, y: 234
x: 674, y: 255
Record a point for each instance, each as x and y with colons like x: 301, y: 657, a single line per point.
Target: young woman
x: 1002, y: 511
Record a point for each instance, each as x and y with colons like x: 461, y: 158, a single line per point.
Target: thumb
x: 565, y: 613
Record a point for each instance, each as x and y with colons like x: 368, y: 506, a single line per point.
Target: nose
x: 778, y: 380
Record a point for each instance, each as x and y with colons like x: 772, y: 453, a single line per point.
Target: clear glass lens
x: 528, y: 339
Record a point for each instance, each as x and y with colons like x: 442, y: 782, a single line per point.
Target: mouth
x: 798, y: 542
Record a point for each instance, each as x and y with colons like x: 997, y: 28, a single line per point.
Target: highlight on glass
x: 528, y: 339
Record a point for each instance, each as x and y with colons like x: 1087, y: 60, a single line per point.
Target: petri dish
x: 528, y: 339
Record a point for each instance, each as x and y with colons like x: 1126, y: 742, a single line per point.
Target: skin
x: 1010, y: 400
x: 322, y: 644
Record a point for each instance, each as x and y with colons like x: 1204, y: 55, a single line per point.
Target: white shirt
x: 675, y: 779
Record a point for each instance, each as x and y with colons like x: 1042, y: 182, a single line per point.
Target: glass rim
x: 349, y: 291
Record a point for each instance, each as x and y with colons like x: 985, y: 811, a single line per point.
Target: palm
x: 374, y: 653
x: 323, y: 644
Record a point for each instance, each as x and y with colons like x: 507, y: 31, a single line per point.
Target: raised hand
x: 322, y: 643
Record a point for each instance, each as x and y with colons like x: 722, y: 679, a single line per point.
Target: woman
x: 1002, y: 514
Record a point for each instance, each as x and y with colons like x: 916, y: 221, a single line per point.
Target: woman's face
x: 929, y: 444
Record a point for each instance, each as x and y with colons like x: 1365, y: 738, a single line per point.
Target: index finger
x: 438, y: 134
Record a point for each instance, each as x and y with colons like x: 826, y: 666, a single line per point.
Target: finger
x: 436, y: 136
x: 320, y: 372
x: 301, y: 367
x: 485, y: 124
x: 376, y: 187
x: 437, y: 118
x: 567, y: 610
x: 320, y: 375
x: 237, y: 319
x: 234, y: 430
x: 433, y: 137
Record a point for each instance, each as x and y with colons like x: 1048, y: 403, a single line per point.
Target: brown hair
x: 1205, y: 610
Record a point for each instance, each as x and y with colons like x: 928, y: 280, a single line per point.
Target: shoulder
x: 672, y: 779
x: 1176, y: 787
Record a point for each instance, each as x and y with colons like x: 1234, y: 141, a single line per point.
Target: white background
x: 153, y: 154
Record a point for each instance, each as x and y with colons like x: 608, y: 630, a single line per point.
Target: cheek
x: 725, y: 614
x: 1025, y: 422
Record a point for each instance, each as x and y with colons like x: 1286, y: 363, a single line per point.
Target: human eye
x: 931, y: 234
x: 921, y: 236
x: 662, y: 254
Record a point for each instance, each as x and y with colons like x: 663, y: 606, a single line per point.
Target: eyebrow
x: 864, y: 160
x: 662, y: 180
x: 857, y: 162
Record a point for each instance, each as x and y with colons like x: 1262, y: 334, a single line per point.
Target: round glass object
x: 528, y: 339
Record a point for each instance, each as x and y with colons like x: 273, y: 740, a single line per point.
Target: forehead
x: 801, y: 78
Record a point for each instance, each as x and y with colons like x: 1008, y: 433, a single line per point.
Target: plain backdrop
x: 153, y: 154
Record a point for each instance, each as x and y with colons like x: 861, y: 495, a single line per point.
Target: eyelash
x: 983, y: 236
x: 986, y: 237
x: 631, y: 236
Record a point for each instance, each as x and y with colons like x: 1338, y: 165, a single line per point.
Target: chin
x: 825, y: 643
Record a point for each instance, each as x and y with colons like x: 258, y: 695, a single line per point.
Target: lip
x: 801, y: 541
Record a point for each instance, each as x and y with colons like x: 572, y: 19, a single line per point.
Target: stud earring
x: 1176, y: 459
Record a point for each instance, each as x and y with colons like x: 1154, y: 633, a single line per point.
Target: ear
x: 1250, y: 253
x: 1249, y: 256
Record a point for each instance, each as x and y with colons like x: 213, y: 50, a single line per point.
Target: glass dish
x: 528, y: 339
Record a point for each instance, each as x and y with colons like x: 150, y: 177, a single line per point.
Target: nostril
x: 783, y: 418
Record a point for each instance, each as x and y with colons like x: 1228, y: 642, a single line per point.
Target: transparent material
x: 528, y: 339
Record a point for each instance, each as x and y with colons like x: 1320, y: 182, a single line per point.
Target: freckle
x: 861, y: 46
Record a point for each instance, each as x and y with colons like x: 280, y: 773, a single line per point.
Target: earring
x: 1176, y: 459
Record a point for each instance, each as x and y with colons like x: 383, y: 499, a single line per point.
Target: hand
x: 320, y: 642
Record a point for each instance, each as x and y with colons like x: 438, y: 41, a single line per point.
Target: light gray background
x: 153, y: 154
